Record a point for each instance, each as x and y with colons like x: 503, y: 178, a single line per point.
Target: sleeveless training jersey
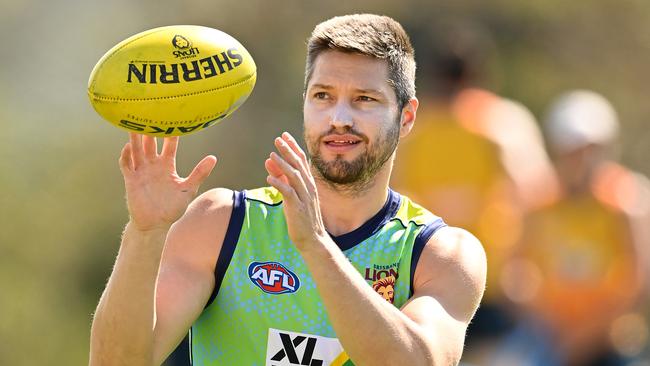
x: 265, y: 308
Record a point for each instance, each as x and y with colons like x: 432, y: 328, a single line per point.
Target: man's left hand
x: 289, y: 173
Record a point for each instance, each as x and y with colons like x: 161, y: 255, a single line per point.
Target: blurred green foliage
x: 61, y: 205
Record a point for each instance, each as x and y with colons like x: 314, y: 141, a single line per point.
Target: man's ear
x: 407, y: 118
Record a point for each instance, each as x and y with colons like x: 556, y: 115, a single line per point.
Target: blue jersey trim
x: 229, y: 241
x: 420, y: 241
x: 370, y: 227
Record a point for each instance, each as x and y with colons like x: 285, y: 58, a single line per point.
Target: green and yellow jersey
x: 265, y: 308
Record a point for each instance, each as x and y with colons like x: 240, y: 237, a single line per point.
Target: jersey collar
x: 370, y: 227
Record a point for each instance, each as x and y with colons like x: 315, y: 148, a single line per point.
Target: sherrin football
x: 172, y: 80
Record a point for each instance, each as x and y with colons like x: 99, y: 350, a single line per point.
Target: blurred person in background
x: 579, y: 273
x: 476, y: 159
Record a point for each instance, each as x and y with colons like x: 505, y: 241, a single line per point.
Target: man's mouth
x: 341, y: 140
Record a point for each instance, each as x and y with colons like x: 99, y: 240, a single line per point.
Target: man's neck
x: 343, y: 211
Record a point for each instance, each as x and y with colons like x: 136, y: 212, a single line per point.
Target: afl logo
x: 181, y: 42
x: 273, y: 278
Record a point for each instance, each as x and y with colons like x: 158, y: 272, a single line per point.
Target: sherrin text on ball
x: 172, y: 80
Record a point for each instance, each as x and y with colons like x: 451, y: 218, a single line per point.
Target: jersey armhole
x: 418, y: 246
x: 229, y: 242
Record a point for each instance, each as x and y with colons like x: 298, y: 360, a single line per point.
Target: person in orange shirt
x: 579, y: 272
x: 478, y: 160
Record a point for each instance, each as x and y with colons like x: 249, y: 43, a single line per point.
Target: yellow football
x: 171, y: 81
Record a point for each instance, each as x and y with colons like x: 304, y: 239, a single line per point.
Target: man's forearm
x: 372, y: 331
x: 122, y: 329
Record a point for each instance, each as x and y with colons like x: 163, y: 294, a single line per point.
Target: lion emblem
x: 386, y: 288
x: 181, y: 42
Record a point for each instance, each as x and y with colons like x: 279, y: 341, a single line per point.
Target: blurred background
x: 61, y: 192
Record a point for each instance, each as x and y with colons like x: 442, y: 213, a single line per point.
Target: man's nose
x: 341, y: 116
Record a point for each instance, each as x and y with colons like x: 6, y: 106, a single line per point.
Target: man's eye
x: 320, y: 95
x: 365, y: 98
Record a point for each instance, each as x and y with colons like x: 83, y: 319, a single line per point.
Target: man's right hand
x: 156, y: 196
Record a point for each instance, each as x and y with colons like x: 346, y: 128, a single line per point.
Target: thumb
x: 201, y: 171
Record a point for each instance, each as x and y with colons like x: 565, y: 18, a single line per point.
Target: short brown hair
x: 371, y: 35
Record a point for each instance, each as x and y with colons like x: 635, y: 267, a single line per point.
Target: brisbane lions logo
x: 273, y: 278
x: 386, y: 288
x: 181, y: 42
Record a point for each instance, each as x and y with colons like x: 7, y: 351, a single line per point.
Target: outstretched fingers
x: 273, y: 169
x: 200, y: 172
x: 293, y: 144
x: 293, y: 177
x: 295, y: 157
x: 145, y: 148
x: 277, y: 179
x: 288, y: 153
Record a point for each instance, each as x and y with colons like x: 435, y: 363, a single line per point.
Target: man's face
x: 387, y: 293
x: 351, y: 117
x: 576, y: 167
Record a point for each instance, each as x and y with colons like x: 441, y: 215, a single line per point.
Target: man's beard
x: 356, y: 175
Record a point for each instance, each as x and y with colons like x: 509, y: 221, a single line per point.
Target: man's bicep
x: 186, y: 277
x: 181, y: 294
x: 448, y: 285
x: 442, y: 331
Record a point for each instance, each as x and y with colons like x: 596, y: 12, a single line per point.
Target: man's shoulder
x: 453, y: 256
x: 214, y: 198
x: 212, y: 206
x: 218, y: 204
x: 452, y: 269
x: 455, y: 244
x: 218, y: 198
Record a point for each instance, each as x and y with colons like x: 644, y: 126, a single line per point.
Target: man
x: 580, y: 268
x: 273, y: 275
